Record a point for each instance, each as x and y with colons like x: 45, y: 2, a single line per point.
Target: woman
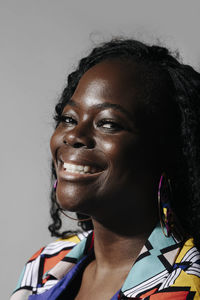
x: 126, y: 159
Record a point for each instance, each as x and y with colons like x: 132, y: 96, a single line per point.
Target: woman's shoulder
x: 185, y: 275
x: 63, y: 245
x: 188, y: 264
x: 41, y: 262
x: 58, y: 249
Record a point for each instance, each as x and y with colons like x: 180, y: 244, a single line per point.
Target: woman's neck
x: 114, y: 251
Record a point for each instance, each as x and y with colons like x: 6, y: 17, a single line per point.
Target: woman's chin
x: 69, y: 204
x: 72, y: 203
x: 73, y: 198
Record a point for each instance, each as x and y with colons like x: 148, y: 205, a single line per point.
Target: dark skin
x: 99, y: 129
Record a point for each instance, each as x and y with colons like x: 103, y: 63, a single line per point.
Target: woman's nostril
x: 88, y: 143
x: 78, y: 145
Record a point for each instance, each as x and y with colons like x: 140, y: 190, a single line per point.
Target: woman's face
x: 99, y: 155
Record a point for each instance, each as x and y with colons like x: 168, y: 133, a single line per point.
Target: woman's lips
x: 75, y: 171
x: 80, y: 169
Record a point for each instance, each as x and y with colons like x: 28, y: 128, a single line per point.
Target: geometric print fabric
x: 165, y: 269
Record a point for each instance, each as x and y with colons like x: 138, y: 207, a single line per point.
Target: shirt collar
x: 151, y: 267
x: 154, y: 262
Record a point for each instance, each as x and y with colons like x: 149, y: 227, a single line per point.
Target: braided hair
x: 184, y: 86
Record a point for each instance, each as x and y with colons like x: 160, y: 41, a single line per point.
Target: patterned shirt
x: 165, y: 269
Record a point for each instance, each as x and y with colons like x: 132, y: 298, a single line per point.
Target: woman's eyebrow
x: 104, y: 105
x: 115, y: 107
x: 71, y: 102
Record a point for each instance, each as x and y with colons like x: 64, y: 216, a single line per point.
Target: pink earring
x: 55, y: 184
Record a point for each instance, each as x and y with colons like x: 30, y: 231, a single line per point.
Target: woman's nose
x: 79, y: 137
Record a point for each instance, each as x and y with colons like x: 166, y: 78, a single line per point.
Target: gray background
x: 40, y: 43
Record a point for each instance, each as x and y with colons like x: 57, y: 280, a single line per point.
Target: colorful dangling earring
x: 55, y: 184
x: 64, y: 213
x: 164, y: 205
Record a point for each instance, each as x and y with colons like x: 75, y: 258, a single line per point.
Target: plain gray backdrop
x: 41, y: 41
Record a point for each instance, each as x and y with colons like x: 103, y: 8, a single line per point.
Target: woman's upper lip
x: 83, y: 161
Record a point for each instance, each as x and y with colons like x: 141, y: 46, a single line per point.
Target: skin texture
x: 104, y: 125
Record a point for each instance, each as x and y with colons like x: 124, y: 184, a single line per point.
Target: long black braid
x: 185, y: 88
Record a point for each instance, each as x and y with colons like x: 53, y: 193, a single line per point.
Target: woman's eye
x: 68, y: 120
x: 109, y: 125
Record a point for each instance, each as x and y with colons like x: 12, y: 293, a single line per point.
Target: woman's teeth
x: 79, y: 169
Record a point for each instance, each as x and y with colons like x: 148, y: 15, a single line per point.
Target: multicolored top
x: 165, y: 269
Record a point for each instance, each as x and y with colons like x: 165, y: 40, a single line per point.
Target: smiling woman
x: 126, y: 159
x: 97, y: 132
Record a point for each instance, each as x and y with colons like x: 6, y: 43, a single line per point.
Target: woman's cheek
x: 117, y: 148
x: 55, y: 142
x: 108, y: 147
x: 52, y: 143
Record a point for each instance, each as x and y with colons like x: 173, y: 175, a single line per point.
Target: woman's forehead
x: 115, y: 81
x: 115, y: 73
x: 137, y: 88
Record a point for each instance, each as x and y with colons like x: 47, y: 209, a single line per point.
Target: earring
x: 64, y: 213
x: 164, y: 205
x: 55, y: 184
